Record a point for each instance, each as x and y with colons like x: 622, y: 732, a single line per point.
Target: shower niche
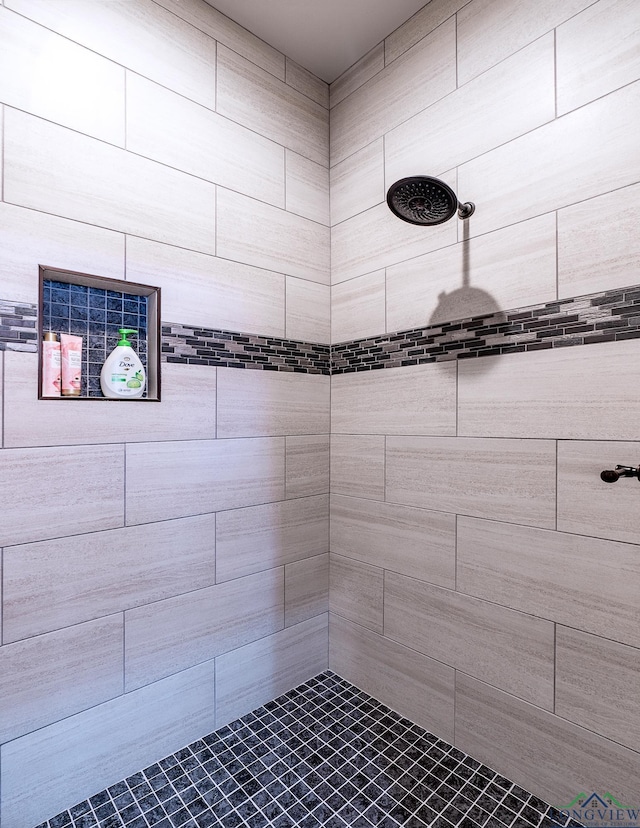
x: 95, y: 308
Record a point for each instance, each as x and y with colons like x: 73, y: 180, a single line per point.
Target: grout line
x: 124, y: 651
x: 555, y: 72
x: 215, y: 548
x: 217, y: 68
x: 555, y: 665
x: 3, y: 141
x: 455, y: 553
x: 3, y: 397
x: 124, y: 485
x: 557, y: 456
x: 455, y: 24
x: 558, y: 255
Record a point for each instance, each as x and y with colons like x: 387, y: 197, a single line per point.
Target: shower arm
x: 465, y: 210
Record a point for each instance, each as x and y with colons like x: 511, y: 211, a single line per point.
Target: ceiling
x: 324, y: 36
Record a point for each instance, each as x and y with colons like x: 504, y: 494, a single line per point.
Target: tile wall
x: 146, y: 549
x: 484, y: 580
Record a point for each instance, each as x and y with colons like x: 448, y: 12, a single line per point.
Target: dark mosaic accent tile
x: 17, y: 324
x: 182, y: 343
x: 602, y: 317
x: 372, y: 768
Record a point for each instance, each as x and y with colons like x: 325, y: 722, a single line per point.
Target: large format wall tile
x: 187, y: 410
x: 476, y: 117
x: 271, y: 403
x: 59, y: 171
x: 413, y: 684
x: 166, y: 127
x: 594, y: 678
x: 139, y: 35
x: 43, y: 772
x: 420, y: 25
x: 509, y: 480
x: 357, y: 183
x: 172, y: 635
x: 358, y: 307
x: 567, y: 393
x: 490, y: 31
x: 227, y: 31
x: 418, y: 399
x: 307, y: 186
x: 543, y: 753
x: 508, y: 649
x: 361, y: 71
x: 306, y: 82
x: 176, y: 479
x: 58, y: 583
x: 307, y: 465
x: 587, y: 505
x: 411, y: 541
x: 580, y: 155
x: 598, y: 247
x: 581, y: 582
x: 29, y: 238
x: 308, y: 308
x: 357, y: 466
x: 423, y: 74
x: 376, y: 238
x: 509, y: 268
x: 258, y: 234
x: 306, y: 589
x: 258, y: 100
x: 56, y: 492
x: 356, y: 592
x: 263, y: 670
x: 202, y: 290
x: 261, y: 537
x: 56, y: 675
x: 598, y: 51
x: 50, y: 76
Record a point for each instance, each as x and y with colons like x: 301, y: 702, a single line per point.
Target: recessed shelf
x: 94, y: 308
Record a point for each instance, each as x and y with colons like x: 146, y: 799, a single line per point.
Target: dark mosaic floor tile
x: 324, y: 754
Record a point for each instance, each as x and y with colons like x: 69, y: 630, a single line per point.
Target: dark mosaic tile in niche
x: 324, y: 754
x: 18, y: 326
x: 230, y: 349
x: 583, y: 320
x: 95, y: 315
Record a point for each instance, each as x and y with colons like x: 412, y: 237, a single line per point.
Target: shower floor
x: 324, y: 754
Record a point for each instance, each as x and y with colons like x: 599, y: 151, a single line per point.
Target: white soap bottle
x: 122, y: 375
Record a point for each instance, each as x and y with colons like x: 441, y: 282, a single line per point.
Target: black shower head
x: 427, y: 201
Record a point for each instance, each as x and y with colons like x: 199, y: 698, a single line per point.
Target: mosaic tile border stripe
x: 323, y: 755
x: 229, y: 349
x: 18, y: 326
x: 598, y: 317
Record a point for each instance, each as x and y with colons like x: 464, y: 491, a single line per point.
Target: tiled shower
x: 422, y: 532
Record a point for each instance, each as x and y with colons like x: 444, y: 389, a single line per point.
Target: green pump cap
x: 124, y: 333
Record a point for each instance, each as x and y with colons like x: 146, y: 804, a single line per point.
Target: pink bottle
x: 51, y: 366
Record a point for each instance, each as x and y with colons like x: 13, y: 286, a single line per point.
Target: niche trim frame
x: 154, y: 325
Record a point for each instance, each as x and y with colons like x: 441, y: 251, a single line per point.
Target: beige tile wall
x: 448, y: 514
x: 148, y: 551
x: 484, y: 580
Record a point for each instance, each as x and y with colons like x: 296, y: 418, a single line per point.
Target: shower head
x: 426, y: 201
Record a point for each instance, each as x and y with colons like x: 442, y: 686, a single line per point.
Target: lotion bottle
x: 122, y: 375
x: 71, y: 353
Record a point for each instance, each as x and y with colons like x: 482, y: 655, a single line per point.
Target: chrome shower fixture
x: 426, y: 201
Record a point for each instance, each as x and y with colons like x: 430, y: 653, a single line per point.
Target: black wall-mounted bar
x: 613, y: 475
